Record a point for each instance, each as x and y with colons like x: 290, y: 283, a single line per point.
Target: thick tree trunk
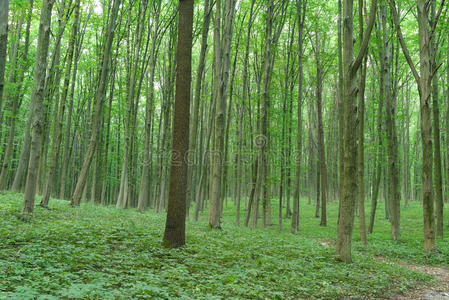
x: 351, y: 66
x: 174, y: 235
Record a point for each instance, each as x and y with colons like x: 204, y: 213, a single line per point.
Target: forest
x: 224, y: 149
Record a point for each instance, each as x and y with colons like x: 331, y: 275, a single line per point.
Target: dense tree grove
x: 190, y: 107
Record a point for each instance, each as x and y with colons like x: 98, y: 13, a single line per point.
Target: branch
x: 403, y: 45
x: 435, y: 71
x: 435, y: 22
x: 364, y: 45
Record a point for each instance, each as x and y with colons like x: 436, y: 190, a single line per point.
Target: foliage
x: 100, y: 252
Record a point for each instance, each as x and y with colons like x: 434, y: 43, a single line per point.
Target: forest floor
x: 98, y: 252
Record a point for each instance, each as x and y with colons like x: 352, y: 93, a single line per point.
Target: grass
x: 95, y: 252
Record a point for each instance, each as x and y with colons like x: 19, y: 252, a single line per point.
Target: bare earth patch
x: 439, y: 291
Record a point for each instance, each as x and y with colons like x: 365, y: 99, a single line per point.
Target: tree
x: 222, y: 47
x: 99, y: 97
x: 59, y: 112
x: 423, y: 80
x: 174, y: 235
x: 37, y: 98
x: 301, y: 10
x: 4, y: 9
x: 351, y: 66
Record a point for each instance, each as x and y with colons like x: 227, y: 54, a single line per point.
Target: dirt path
x: 439, y: 291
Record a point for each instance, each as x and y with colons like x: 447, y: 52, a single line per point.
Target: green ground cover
x: 96, y: 252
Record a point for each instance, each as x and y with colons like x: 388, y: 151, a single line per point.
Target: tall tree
x: 222, y: 47
x: 4, y: 9
x: 97, y: 114
x: 37, y: 98
x: 301, y: 10
x: 423, y: 80
x: 351, y: 66
x: 433, y: 49
x: 392, y: 144
x: 361, y: 137
x: 59, y: 112
x: 174, y: 235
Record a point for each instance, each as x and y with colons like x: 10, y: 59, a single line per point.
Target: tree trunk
x: 16, y: 103
x: 174, y: 235
x: 4, y: 9
x: 99, y: 97
x: 351, y: 66
x: 59, y: 112
x: 222, y: 47
x: 301, y: 10
x: 321, y: 149
x: 38, y: 97
x: 433, y: 49
x: 423, y: 80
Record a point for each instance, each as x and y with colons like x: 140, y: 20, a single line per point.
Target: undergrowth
x: 96, y: 252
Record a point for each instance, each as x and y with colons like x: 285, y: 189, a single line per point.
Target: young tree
x: 301, y: 11
x: 4, y: 9
x: 174, y: 235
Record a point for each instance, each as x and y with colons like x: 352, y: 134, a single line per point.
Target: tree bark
x: 301, y: 11
x: 38, y: 98
x: 4, y: 9
x: 99, y: 97
x: 351, y: 66
x: 174, y: 235
x: 57, y: 127
x: 423, y: 80
x: 433, y: 49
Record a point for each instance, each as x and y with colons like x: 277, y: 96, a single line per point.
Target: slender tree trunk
x: 57, y: 127
x: 99, y: 96
x: 4, y: 9
x: 16, y: 103
x: 221, y: 55
x: 433, y: 49
x: 244, y: 98
x: 423, y: 80
x: 321, y: 147
x: 341, y: 119
x: 361, y: 138
x: 144, y: 181
x: 194, y: 169
x: 38, y: 97
x: 301, y: 10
